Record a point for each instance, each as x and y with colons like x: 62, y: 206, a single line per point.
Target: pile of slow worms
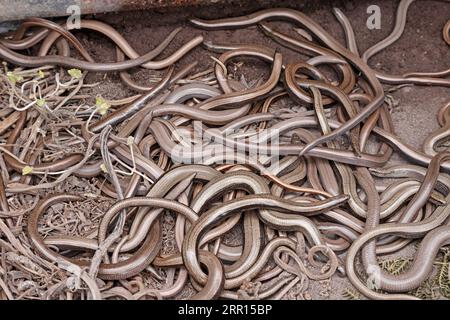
x: 87, y: 191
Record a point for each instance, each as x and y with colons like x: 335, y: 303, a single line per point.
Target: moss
x: 350, y: 294
x: 442, y: 277
x: 428, y: 290
x: 395, y: 266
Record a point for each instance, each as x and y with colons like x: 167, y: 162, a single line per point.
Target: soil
x: 421, y: 48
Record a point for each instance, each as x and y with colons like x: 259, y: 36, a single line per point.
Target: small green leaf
x: 102, y: 105
x: 40, y: 102
x: 27, y: 170
x: 75, y: 73
x: 99, y: 101
x: 130, y: 140
x: 103, y: 168
x: 14, y: 78
x: 41, y: 74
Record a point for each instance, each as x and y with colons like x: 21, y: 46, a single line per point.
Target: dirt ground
x: 421, y: 48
